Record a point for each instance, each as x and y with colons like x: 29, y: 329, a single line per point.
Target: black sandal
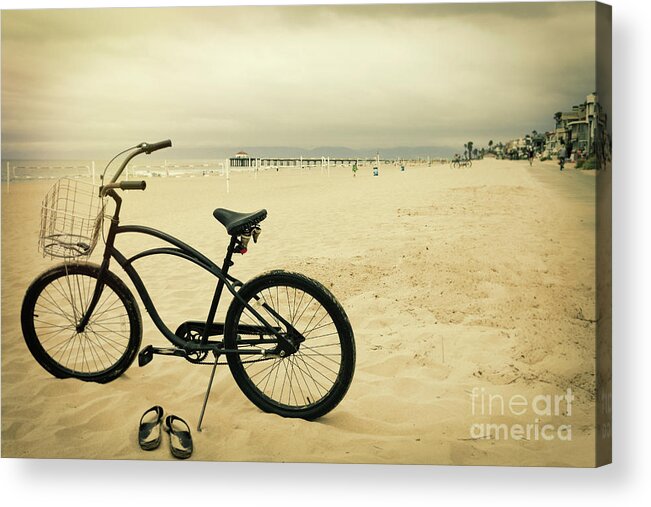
x: 149, y: 433
x: 180, y: 438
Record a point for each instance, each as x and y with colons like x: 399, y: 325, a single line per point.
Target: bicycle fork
x: 99, y: 286
x: 97, y: 294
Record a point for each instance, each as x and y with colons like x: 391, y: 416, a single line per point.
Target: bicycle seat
x: 235, y: 222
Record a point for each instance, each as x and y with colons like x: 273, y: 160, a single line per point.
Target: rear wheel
x: 53, y: 306
x: 309, y: 381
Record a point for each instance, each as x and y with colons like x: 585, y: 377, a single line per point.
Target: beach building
x: 584, y: 130
x: 516, y: 148
x: 578, y: 128
x: 241, y: 159
x: 538, y: 140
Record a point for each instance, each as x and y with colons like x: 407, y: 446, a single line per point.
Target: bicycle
x: 458, y: 163
x: 287, y: 341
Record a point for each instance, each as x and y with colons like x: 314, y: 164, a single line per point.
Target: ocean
x: 20, y: 170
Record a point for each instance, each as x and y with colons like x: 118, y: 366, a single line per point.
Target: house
x: 578, y: 128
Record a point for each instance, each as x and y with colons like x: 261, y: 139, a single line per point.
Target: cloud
x: 95, y: 80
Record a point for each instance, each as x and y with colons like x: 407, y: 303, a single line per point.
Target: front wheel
x: 309, y: 381
x: 53, y: 307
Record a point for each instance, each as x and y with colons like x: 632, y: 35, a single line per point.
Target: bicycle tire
x: 106, y: 348
x: 456, y: 165
x: 318, y: 374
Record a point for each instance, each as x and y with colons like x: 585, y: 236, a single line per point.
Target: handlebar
x: 123, y: 185
x: 149, y: 148
x: 132, y: 185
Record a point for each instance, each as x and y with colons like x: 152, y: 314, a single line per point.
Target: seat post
x: 229, y: 255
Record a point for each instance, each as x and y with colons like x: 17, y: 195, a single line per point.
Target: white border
x: 100, y: 483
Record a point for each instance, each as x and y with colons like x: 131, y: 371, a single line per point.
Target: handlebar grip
x: 133, y: 185
x: 150, y: 148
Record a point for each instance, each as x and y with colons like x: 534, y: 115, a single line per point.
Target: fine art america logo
x: 537, y: 416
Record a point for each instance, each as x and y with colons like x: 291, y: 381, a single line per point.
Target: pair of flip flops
x: 150, y: 432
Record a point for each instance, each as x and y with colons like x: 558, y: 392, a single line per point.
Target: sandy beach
x: 456, y: 282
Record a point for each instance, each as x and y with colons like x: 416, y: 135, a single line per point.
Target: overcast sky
x: 89, y: 82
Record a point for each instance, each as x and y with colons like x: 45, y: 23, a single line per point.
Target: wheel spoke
x: 71, y: 300
x: 323, y: 335
x: 62, y: 346
x: 319, y: 354
x: 51, y: 335
x: 293, y: 359
x: 311, y: 358
x: 108, y: 330
x: 273, y: 388
x: 56, y: 306
x: 307, y: 372
x: 260, y: 372
x: 101, y: 338
x: 306, y: 307
x: 305, y: 334
x: 106, y: 344
x: 297, y: 307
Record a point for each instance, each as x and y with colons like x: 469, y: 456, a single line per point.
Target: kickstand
x: 205, y: 400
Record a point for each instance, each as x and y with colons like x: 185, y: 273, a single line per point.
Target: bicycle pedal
x: 145, y: 356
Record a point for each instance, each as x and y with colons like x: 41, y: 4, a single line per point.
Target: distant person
x: 402, y: 168
x: 376, y: 172
x: 562, y: 155
x: 530, y: 155
x: 354, y: 169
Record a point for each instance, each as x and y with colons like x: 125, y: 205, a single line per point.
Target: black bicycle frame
x: 184, y: 251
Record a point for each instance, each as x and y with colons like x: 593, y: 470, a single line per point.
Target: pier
x: 262, y: 162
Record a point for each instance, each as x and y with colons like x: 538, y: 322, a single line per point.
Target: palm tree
x: 490, y: 145
x: 470, y: 143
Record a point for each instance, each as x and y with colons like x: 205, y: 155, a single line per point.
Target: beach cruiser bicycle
x: 457, y: 163
x: 287, y: 341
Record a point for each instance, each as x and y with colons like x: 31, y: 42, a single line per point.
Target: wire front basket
x: 71, y: 219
